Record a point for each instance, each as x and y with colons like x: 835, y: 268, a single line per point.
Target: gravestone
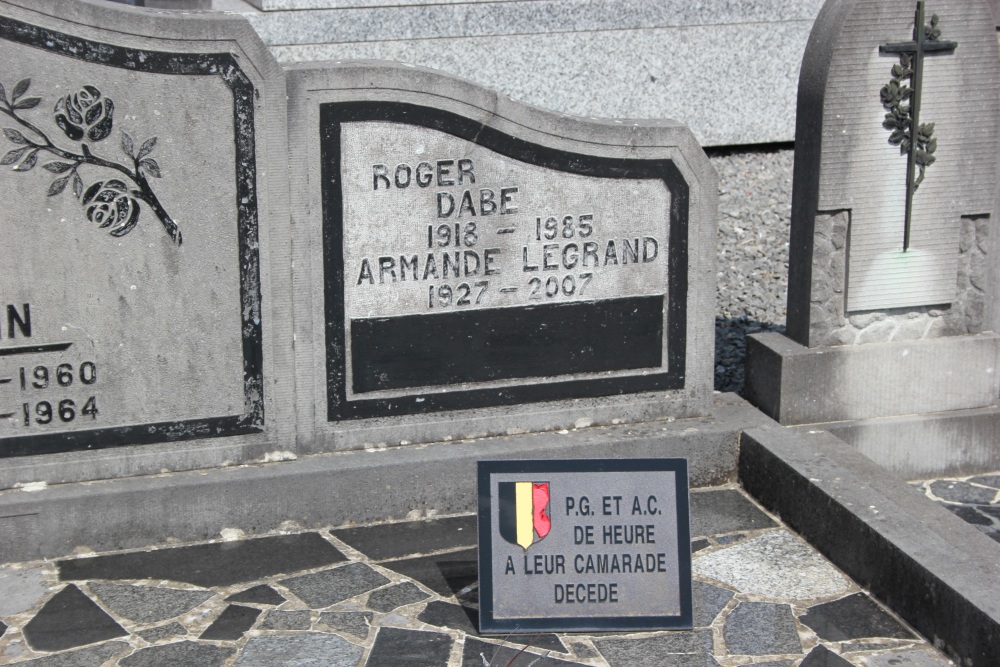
x: 458, y: 254
x: 135, y: 256
x: 892, y: 303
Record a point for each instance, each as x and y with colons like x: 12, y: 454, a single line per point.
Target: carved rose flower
x: 85, y: 112
x: 109, y: 205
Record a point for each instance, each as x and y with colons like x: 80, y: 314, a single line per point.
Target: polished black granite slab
x: 466, y: 619
x: 262, y: 594
x: 395, y: 540
x: 70, y: 619
x: 395, y: 647
x: 445, y: 574
x: 208, y: 565
x: 234, y: 620
x: 853, y: 617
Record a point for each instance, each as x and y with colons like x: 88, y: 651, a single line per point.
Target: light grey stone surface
x: 145, y: 604
x: 387, y: 599
x: 799, y: 385
x: 774, y: 564
x: 309, y: 650
x: 708, y: 601
x: 162, y: 632
x: 357, y: 623
x: 21, y: 588
x: 632, y: 651
x: 761, y: 628
x: 287, y: 620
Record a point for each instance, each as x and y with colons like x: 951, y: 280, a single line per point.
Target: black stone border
x: 332, y: 114
x: 488, y: 624
x: 936, y: 572
x: 225, y: 66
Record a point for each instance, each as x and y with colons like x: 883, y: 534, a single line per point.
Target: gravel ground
x: 755, y: 201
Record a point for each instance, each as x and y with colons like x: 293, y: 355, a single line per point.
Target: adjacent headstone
x: 591, y: 545
x: 892, y: 271
x: 132, y: 305
x: 458, y: 253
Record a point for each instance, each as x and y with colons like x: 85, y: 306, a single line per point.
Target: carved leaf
x: 13, y: 156
x: 14, y: 136
x: 29, y: 162
x: 896, y: 137
x: 149, y: 164
x: 932, y: 145
x: 147, y: 148
x: 57, y: 167
x: 3, y: 94
x: 127, y: 144
x: 20, y: 89
x: 58, y: 186
x: 28, y: 103
x: 77, y: 185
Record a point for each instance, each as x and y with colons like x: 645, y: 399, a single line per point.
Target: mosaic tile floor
x: 406, y: 594
x: 975, y: 499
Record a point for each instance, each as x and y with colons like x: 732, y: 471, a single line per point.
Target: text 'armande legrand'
x: 560, y: 254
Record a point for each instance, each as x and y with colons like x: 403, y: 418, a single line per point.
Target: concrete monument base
x: 877, y: 398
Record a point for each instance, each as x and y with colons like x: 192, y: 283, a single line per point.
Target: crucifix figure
x: 903, y: 121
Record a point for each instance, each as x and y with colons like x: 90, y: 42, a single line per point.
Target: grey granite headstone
x: 458, y: 253
x: 134, y: 150
x: 893, y: 281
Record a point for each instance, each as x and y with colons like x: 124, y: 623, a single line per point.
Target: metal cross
x: 918, y: 48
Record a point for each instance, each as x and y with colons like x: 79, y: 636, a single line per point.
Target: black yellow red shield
x: 524, y: 512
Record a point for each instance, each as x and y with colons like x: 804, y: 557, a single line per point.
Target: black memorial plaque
x: 584, y: 545
x: 467, y: 268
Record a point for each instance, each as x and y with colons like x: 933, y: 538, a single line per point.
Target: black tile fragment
x: 210, y: 565
x: 3, y: 628
x: 231, y: 623
x: 94, y: 655
x: 968, y: 514
x: 821, y: 656
x: 70, y: 619
x: 457, y: 617
x: 397, y: 595
x: 725, y: 511
x: 962, y: 492
x: 262, y: 594
x: 987, y: 480
x: 698, y: 545
x: 445, y: 574
x: 853, y: 617
x: 407, y: 648
x: 477, y: 653
x: 395, y: 540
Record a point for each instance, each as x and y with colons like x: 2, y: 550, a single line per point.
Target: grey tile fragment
x: 465, y: 619
x: 581, y: 650
x: 92, y: 656
x: 725, y: 511
x: 147, y: 604
x: 407, y: 648
x: 387, y: 599
x: 21, y: 589
x: 179, y: 653
x: 968, y: 514
x: 962, y: 492
x: 70, y: 619
x: 915, y: 658
x: 821, y: 656
x: 357, y: 623
x: 231, y: 623
x: 729, y: 539
x: 650, y: 650
x: 775, y: 663
x: 262, y: 594
x: 287, y: 620
x: 162, y: 632
x: 708, y: 600
x: 761, y: 628
x: 327, y: 587
x: 987, y: 480
x: 305, y: 650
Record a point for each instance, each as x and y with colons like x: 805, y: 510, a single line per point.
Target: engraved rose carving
x: 114, y: 204
x: 85, y: 112
x: 109, y: 204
